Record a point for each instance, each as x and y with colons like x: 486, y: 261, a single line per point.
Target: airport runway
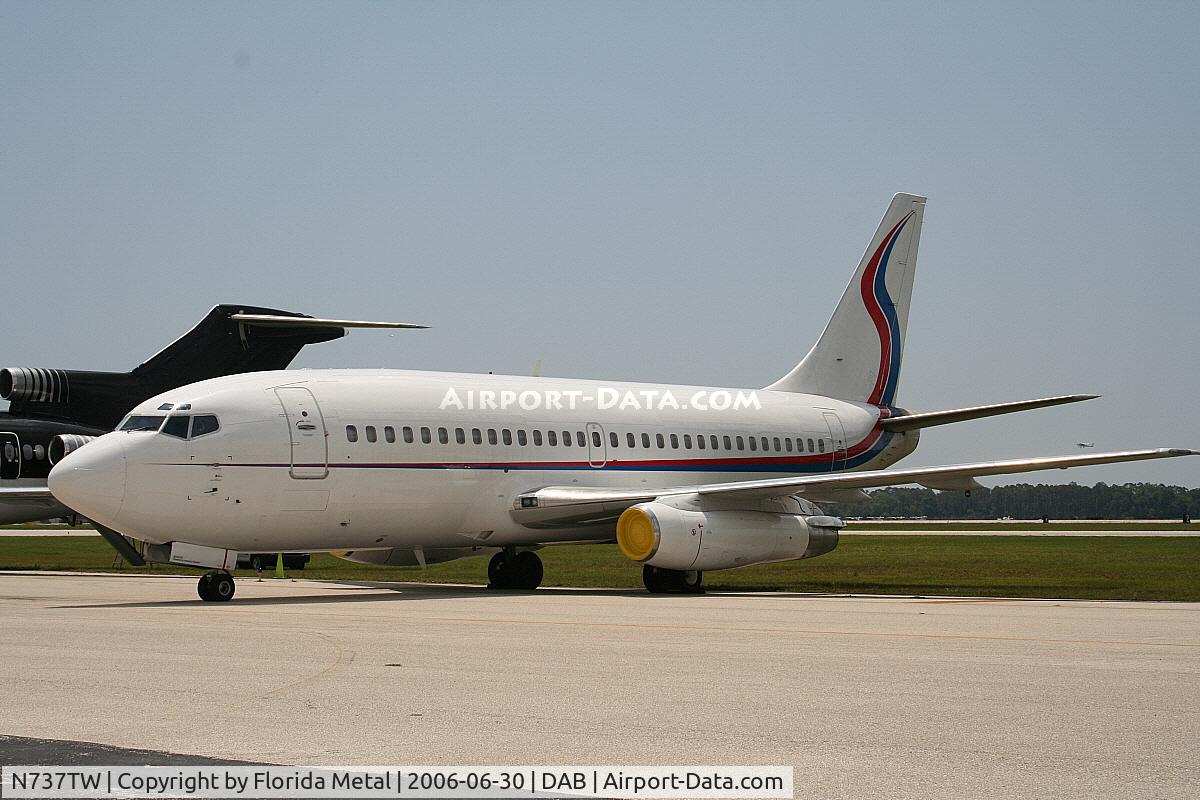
x: 865, y: 696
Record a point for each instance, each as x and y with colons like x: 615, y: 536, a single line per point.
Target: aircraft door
x: 10, y: 456
x: 597, y: 447
x: 838, y: 435
x: 306, y: 429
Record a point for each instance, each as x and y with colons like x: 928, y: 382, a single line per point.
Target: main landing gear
x: 216, y: 587
x: 672, y: 581
x: 512, y: 570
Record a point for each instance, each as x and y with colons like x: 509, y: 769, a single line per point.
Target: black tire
x: 223, y: 587
x: 654, y: 579
x: 204, y: 587
x: 691, y: 581
x: 497, y: 571
x: 672, y: 581
x: 527, y: 570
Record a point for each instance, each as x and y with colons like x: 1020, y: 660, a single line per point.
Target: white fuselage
x: 357, y: 459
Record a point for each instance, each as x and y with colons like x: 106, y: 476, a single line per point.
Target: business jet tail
x: 858, y: 355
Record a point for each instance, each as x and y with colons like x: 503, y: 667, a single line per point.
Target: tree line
x: 1029, y: 501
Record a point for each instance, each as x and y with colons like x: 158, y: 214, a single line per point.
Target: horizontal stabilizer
x: 280, y: 321
x: 910, y: 422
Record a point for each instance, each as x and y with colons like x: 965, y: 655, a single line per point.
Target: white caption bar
x: 439, y: 782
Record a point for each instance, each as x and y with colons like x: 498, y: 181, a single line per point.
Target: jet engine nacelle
x: 661, y: 535
x: 38, y: 385
x: 64, y: 444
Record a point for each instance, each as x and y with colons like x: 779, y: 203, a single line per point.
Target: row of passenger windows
x: 552, y: 438
x: 29, y: 453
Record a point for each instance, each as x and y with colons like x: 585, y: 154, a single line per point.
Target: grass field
x: 1117, y: 568
x: 1014, y: 525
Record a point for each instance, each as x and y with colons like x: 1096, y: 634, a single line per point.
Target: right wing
x: 567, y: 506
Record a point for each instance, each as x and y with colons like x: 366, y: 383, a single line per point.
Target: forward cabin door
x: 306, y: 428
x: 837, y: 435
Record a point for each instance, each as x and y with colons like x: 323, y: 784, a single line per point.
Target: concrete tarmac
x: 892, y: 697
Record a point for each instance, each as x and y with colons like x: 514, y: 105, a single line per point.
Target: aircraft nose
x: 91, y: 480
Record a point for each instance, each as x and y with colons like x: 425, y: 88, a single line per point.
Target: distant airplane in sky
x: 405, y: 467
x: 1086, y: 444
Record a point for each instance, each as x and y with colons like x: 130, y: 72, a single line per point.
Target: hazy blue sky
x: 672, y: 192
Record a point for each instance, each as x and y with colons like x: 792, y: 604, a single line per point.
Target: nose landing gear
x: 216, y: 587
x: 509, y: 570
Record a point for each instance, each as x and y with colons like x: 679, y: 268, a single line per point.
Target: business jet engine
x: 661, y: 535
x: 64, y: 444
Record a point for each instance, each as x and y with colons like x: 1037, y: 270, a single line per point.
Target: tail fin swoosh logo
x: 882, y: 309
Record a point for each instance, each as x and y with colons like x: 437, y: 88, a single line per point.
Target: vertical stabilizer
x: 858, y: 355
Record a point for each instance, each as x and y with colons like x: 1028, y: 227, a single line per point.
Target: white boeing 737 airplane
x: 402, y: 467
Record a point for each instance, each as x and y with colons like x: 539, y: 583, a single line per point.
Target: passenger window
x: 476, y: 436
x: 426, y: 436
x: 712, y: 440
x: 552, y: 438
x: 522, y: 439
x: 595, y: 438
x: 371, y: 435
x: 408, y: 435
x: 351, y: 433
x: 27, y: 451
x: 389, y: 434
x: 778, y: 446
x: 39, y: 452
x: 674, y: 442
x: 687, y: 441
x: 460, y: 436
x: 821, y: 445
x: 700, y: 441
x: 753, y: 442
x: 811, y: 447
x: 787, y: 443
x: 10, y: 452
x: 658, y: 439
x: 566, y: 438
x: 507, y: 435
x: 646, y: 440
x: 580, y: 439
x: 443, y: 436
x: 630, y: 439
x: 613, y: 439
x: 492, y: 436
x: 728, y: 444
x: 741, y: 444
x: 537, y: 438
x: 177, y: 426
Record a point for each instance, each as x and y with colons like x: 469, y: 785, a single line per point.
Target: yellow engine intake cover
x: 637, y: 534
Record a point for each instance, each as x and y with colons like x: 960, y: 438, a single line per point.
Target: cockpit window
x: 203, y: 424
x: 177, y: 425
x: 143, y: 422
